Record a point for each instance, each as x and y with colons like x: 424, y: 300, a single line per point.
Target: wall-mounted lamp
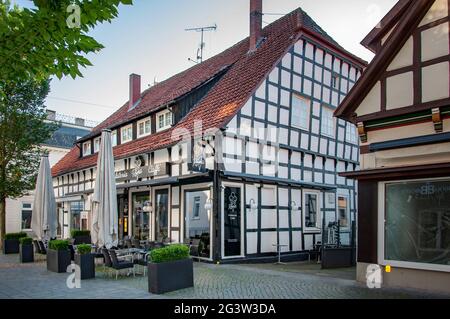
x: 253, y: 205
x: 294, y: 206
x: 208, y: 204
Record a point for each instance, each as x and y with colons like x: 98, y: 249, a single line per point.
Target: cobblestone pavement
x: 211, y: 281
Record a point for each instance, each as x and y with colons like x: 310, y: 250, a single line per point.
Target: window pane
x: 327, y: 123
x: 417, y: 227
x: 147, y: 126
x: 343, y: 212
x: 311, y: 210
x: 141, y: 128
x: 198, y: 222
x: 168, y: 119
x: 300, y: 112
x: 26, y: 219
x: 161, y: 121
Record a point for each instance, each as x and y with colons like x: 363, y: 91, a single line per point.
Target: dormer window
x: 97, y: 144
x: 144, y: 127
x: 86, y: 148
x: 164, y: 120
x: 127, y: 133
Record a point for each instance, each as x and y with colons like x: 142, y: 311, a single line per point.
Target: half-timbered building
x: 401, y: 106
x: 239, y: 153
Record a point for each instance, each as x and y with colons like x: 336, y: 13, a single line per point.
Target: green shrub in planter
x: 85, y: 260
x: 84, y: 249
x: 25, y: 241
x: 26, y: 250
x: 11, y: 242
x: 58, y: 256
x: 59, y: 244
x: 169, y: 253
x: 15, y: 235
x: 170, y: 269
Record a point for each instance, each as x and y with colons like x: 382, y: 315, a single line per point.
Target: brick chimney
x: 255, y: 23
x: 135, y: 90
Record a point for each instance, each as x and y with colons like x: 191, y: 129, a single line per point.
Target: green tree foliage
x: 38, y: 42
x: 22, y: 130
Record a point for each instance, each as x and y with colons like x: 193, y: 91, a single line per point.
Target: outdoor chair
x: 143, y: 262
x: 106, y: 258
x: 42, y: 248
x: 119, y: 265
x: 194, y: 247
x: 72, y: 252
x: 136, y: 243
x: 37, y: 249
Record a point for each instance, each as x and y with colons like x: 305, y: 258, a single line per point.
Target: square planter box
x: 338, y: 257
x: 170, y: 276
x: 11, y: 246
x: 86, y: 264
x: 58, y: 260
x: 26, y: 253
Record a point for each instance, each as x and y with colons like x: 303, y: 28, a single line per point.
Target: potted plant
x: 170, y: 268
x: 85, y: 260
x: 81, y: 236
x: 11, y: 242
x: 26, y: 250
x: 58, y: 256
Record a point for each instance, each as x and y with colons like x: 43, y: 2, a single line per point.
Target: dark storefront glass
x: 417, y: 225
x: 141, y: 214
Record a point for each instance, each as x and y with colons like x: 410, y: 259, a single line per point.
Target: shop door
x: 232, y: 221
x: 122, y: 205
x: 162, y: 215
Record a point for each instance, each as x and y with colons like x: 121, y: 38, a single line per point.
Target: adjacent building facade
x: 401, y: 106
x: 240, y: 152
x: 19, y: 211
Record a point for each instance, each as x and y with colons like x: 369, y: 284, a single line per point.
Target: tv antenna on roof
x: 199, y: 58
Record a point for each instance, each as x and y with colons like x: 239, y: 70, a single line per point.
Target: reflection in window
x: 417, y: 227
x: 343, y: 211
x: 198, y: 221
x: 75, y: 212
x: 26, y: 216
x: 141, y: 210
x: 311, y: 210
x: 196, y: 209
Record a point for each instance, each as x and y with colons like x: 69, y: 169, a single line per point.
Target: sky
x: 148, y: 38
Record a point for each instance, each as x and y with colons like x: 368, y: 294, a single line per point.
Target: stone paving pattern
x: 211, y: 281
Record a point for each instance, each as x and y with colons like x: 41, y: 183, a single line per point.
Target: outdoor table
x: 279, y: 246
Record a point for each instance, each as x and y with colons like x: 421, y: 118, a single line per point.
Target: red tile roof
x: 222, y: 102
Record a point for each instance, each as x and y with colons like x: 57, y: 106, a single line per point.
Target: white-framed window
x: 300, y: 112
x: 163, y: 120
x: 87, y: 148
x: 97, y: 144
x: 144, y: 127
x: 311, y: 216
x: 414, y: 224
x: 351, y: 133
x: 114, y: 138
x: 327, y: 122
x: 26, y: 216
x: 343, y: 211
x: 126, y: 133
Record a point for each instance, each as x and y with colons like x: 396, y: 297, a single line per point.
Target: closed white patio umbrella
x: 104, y: 199
x: 43, y: 219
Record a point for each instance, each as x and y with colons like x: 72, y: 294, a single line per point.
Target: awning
x: 401, y: 172
x: 279, y: 181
